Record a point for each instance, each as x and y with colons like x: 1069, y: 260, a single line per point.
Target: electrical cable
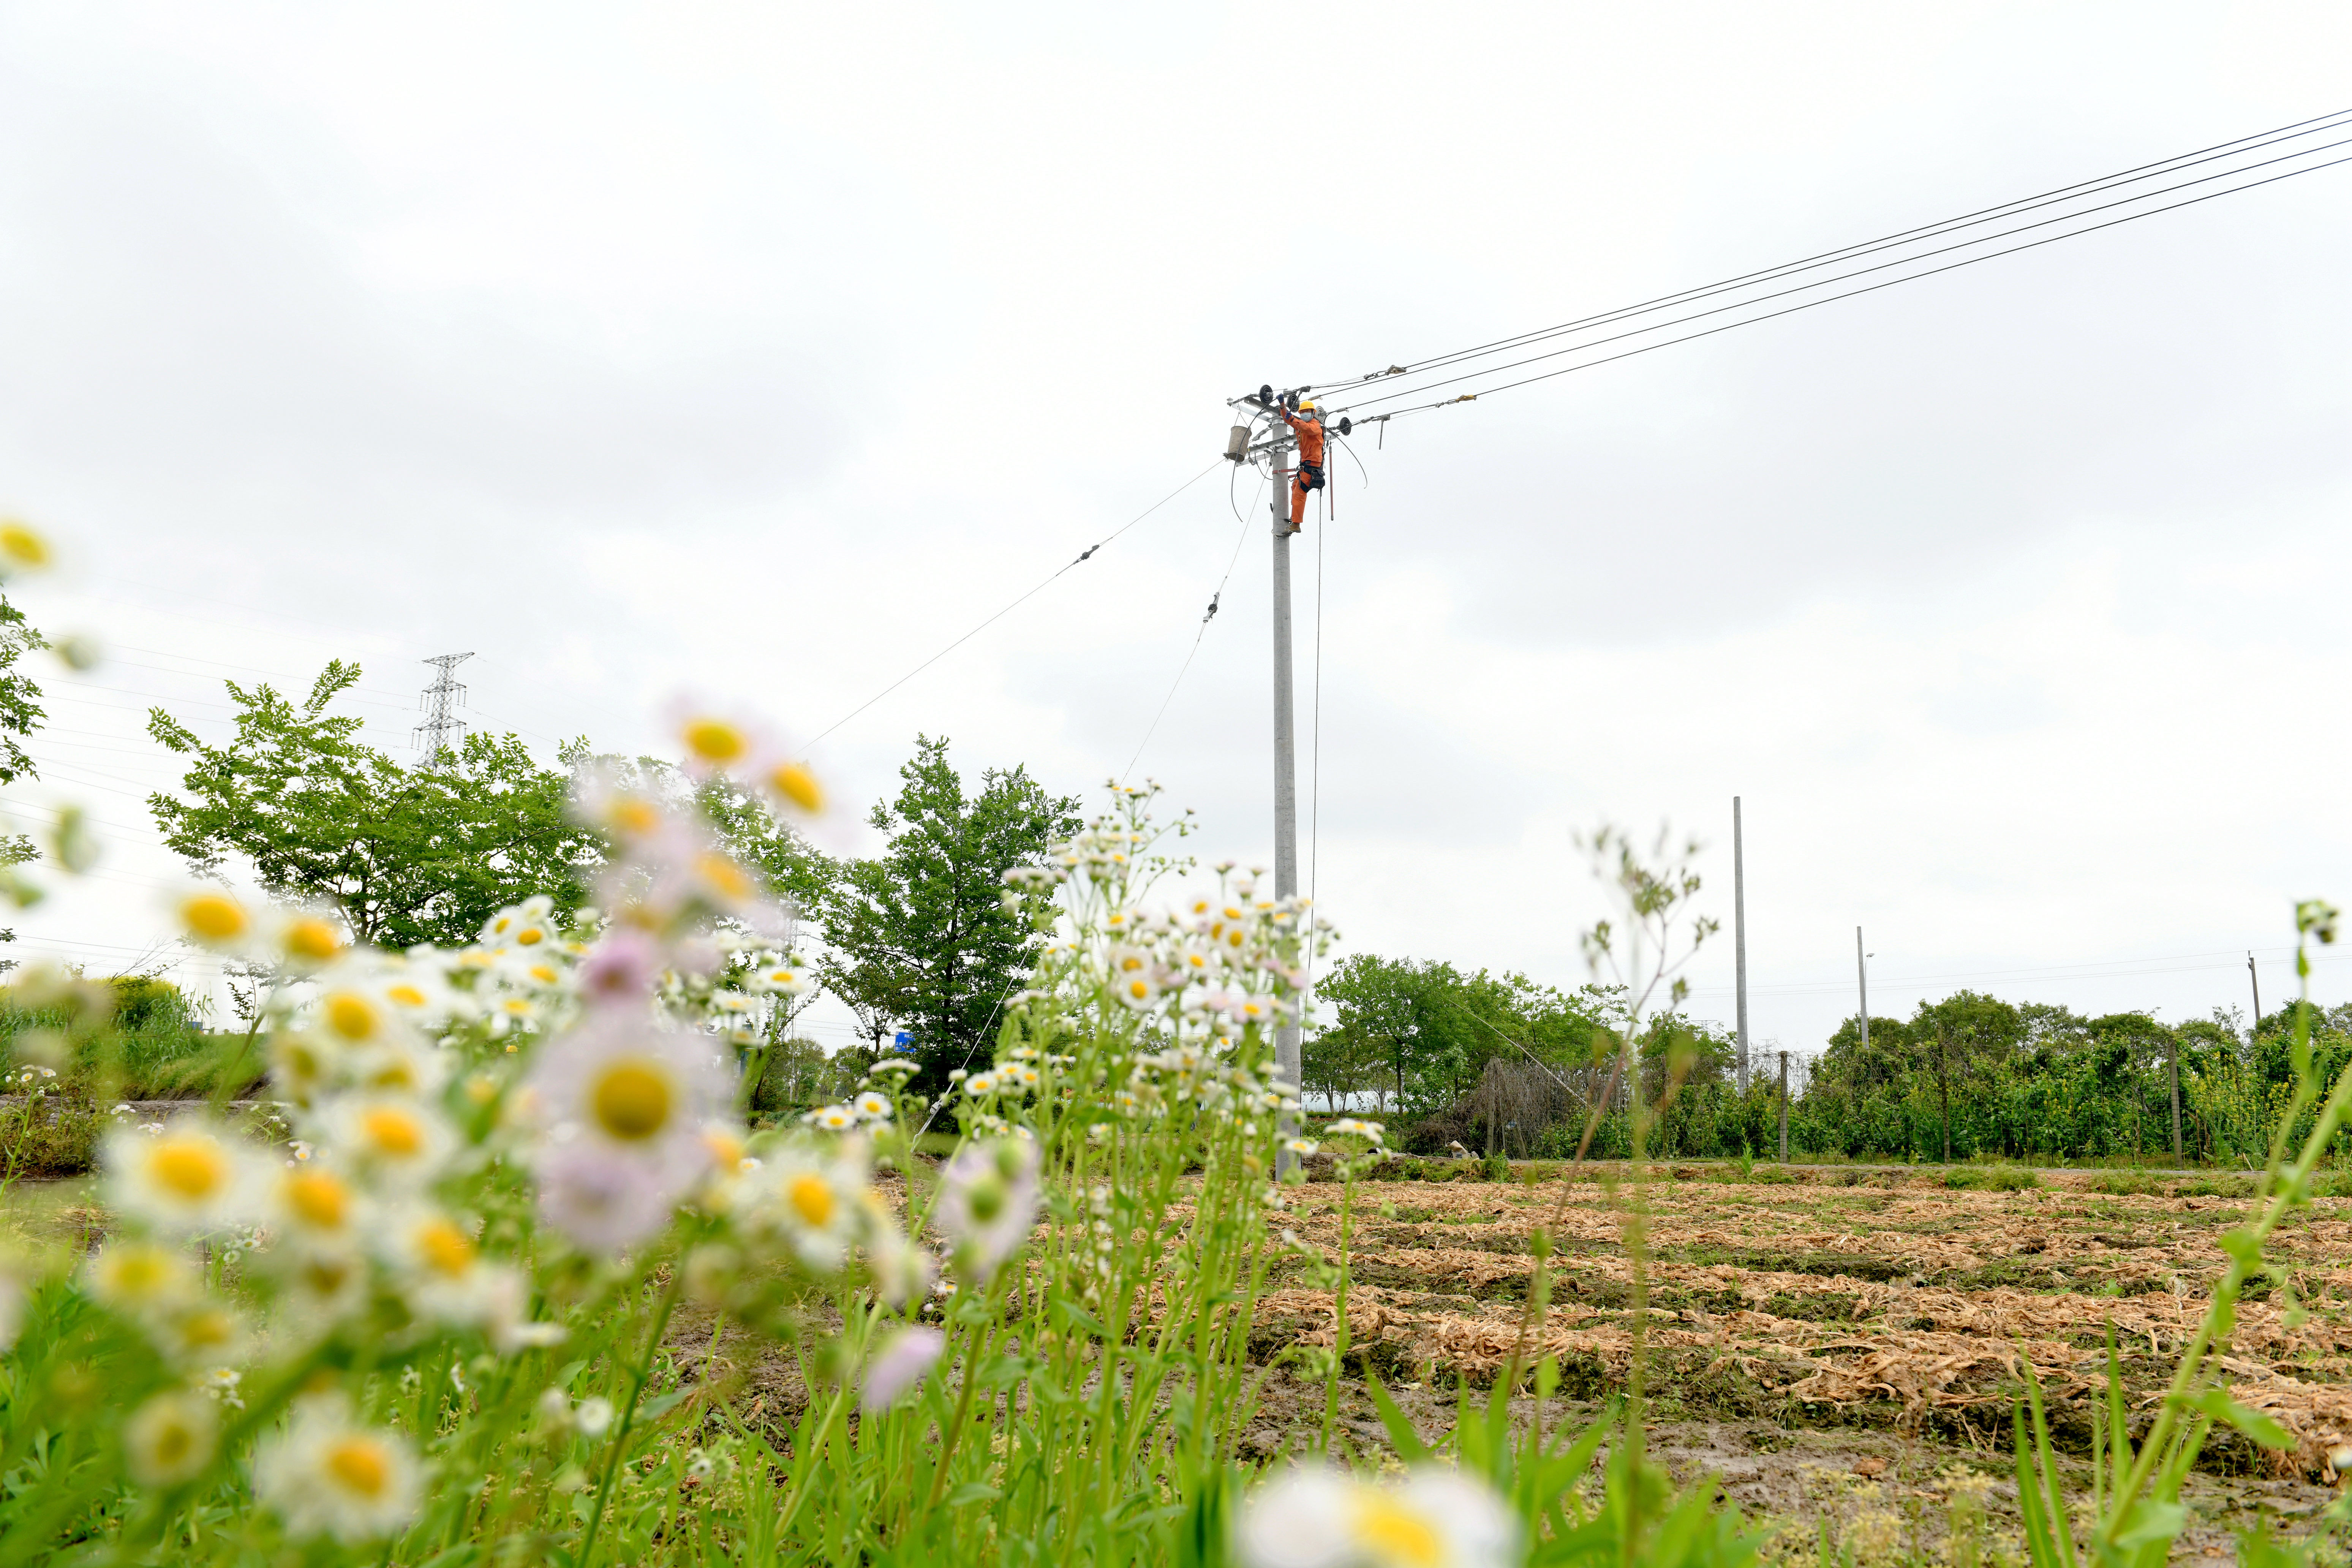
x: 1008, y: 609
x: 1866, y: 271
x: 1851, y: 293
x: 2317, y: 125
x: 1211, y: 614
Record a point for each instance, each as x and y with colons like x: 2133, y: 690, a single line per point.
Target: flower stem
x: 637, y: 1376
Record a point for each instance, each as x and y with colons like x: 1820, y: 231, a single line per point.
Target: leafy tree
x: 407, y: 854
x: 20, y: 700
x: 921, y: 935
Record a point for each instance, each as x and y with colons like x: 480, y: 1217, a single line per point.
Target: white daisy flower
x: 1320, y: 1519
x: 807, y: 1203
x: 988, y: 1201
x: 630, y: 1090
x: 873, y: 1107
x: 187, y: 1178
x: 139, y: 1278
x: 442, y: 1271
x: 400, y: 1142
x: 172, y: 1439
x: 326, y: 1476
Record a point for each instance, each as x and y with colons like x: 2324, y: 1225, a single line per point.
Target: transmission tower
x: 442, y: 729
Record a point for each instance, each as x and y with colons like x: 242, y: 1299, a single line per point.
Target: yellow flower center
x: 796, y: 783
x: 543, y: 973
x: 724, y: 875
x: 23, y: 547
x: 405, y: 994
x: 351, y: 1015
x: 393, y: 1131
x: 1390, y: 1532
x: 313, y: 938
x: 635, y: 816
x: 360, y: 1465
x: 444, y: 1249
x: 529, y: 936
x: 137, y: 1274
x: 812, y: 1198
x: 632, y: 1100
x: 715, y: 741
x: 171, y: 1446
x: 319, y: 1198
x: 213, y: 917
x: 1139, y: 989
x: 206, y: 1329
x: 726, y: 1148
x: 194, y: 1168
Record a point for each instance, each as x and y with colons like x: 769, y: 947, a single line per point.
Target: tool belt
x: 1310, y: 476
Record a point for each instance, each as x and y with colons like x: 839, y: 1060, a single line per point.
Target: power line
x: 2317, y: 125
x: 1810, y: 304
x: 1008, y: 609
x: 1214, y: 599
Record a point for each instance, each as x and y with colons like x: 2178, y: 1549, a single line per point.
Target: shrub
x: 1992, y: 1178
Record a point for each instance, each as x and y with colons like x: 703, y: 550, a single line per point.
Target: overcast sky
x: 759, y: 351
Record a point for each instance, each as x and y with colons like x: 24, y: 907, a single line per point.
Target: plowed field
x: 1845, y: 1344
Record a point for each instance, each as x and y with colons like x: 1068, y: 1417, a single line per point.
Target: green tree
x: 408, y: 855
x: 20, y: 700
x: 920, y: 935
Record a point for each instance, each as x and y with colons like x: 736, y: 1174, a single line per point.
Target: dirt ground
x: 1848, y: 1346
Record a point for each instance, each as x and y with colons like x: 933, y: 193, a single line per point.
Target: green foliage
x: 1992, y: 1179
x: 1418, y: 1034
x: 20, y: 699
x: 928, y: 936
x: 407, y: 854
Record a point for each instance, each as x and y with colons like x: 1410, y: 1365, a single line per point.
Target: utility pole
x: 1862, y: 973
x: 441, y: 728
x: 2256, y: 981
x: 1944, y: 1083
x: 1285, y: 763
x: 1739, y: 937
x: 2176, y: 1099
x: 1784, y: 1107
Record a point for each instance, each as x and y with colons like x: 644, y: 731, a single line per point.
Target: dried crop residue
x: 1904, y: 1306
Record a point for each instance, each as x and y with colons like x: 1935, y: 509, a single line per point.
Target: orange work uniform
x: 1310, y: 465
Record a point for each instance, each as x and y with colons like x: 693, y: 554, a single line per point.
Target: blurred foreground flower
x: 1322, y: 1518
x: 988, y: 1202
x: 899, y: 1365
x: 326, y: 1476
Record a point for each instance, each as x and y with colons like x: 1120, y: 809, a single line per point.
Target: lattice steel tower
x: 441, y: 730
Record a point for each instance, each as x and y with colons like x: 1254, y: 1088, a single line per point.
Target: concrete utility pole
x: 2176, y: 1099
x: 441, y: 728
x: 2256, y: 981
x: 1285, y: 753
x: 1862, y: 973
x: 1739, y: 937
x: 1784, y: 1107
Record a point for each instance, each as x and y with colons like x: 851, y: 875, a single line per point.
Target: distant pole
x: 1861, y: 973
x: 1784, y: 1107
x: 2176, y: 1099
x: 1740, y: 936
x: 1944, y: 1083
x: 1286, y: 761
x: 2256, y: 981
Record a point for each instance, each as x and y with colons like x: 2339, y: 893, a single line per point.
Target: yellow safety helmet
x: 1307, y: 406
